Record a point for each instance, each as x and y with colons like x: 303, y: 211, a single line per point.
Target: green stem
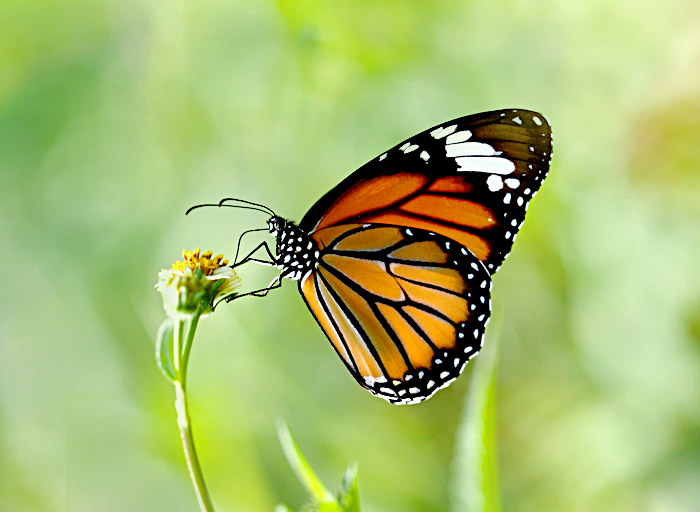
x: 184, y: 422
x: 185, y: 426
x: 186, y: 349
x: 178, y: 325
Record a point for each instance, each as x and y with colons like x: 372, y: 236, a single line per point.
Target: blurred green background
x: 115, y: 116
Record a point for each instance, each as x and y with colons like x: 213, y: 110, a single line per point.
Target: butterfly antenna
x: 247, y: 205
x: 250, y: 203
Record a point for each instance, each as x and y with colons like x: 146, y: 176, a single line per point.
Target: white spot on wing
x: 469, y: 149
x: 537, y: 120
x: 517, y: 120
x: 382, y: 157
x: 513, y: 182
x: 458, y: 137
x: 494, y: 165
x: 424, y: 155
x: 494, y: 182
x: 441, y: 132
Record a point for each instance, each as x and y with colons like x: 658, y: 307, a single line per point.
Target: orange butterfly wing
x: 469, y: 179
x: 405, y: 309
x: 408, y: 244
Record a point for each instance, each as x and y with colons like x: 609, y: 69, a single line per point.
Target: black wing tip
x: 536, y: 116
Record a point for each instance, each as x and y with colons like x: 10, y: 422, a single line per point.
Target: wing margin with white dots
x: 470, y: 179
x: 405, y: 309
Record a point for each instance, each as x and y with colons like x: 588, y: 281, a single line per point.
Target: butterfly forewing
x: 469, y: 180
x: 404, y: 308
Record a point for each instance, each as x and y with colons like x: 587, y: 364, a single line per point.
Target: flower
x: 196, y: 283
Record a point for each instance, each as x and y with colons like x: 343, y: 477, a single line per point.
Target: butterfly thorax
x: 297, y: 253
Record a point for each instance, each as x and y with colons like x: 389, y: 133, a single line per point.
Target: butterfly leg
x: 240, y: 239
x: 255, y: 260
x: 274, y: 284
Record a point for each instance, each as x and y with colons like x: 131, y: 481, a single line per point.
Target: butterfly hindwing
x: 469, y: 179
x: 404, y: 308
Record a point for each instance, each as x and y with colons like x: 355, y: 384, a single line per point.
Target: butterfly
x: 395, y: 262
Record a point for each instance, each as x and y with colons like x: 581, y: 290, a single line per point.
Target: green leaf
x: 282, y: 508
x: 348, y: 492
x: 301, y: 467
x: 329, y: 506
x: 323, y: 501
x: 475, y: 475
x: 165, y: 350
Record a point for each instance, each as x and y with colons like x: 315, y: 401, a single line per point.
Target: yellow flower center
x: 204, y: 261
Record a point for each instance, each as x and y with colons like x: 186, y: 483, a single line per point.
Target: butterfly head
x: 276, y: 225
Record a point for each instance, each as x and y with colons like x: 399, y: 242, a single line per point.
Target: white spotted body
x: 297, y: 253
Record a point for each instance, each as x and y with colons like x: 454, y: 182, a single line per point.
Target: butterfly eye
x: 273, y: 225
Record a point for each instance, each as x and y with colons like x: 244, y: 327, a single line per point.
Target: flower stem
x: 184, y: 422
x: 186, y: 349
